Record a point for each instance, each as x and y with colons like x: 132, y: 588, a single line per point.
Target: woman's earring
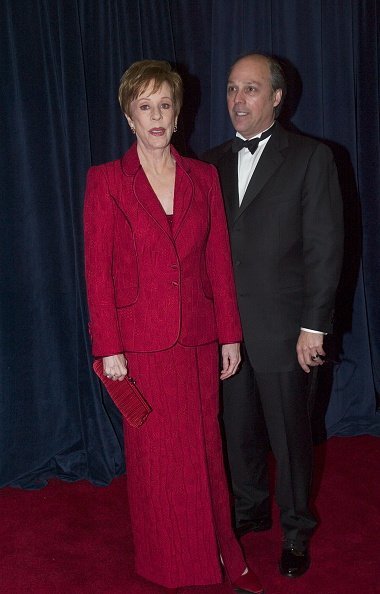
x: 175, y: 128
x: 133, y: 130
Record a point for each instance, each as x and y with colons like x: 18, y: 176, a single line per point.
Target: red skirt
x: 178, y: 497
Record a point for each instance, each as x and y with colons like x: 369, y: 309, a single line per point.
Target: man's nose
x: 239, y: 96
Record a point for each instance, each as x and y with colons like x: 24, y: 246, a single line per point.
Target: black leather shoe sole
x: 254, y: 526
x: 294, y: 563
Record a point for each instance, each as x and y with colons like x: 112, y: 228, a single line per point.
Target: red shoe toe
x: 248, y: 583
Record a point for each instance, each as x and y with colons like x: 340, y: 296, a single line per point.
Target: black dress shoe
x: 293, y: 562
x: 254, y: 526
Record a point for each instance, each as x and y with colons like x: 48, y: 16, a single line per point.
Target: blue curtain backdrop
x: 61, y: 61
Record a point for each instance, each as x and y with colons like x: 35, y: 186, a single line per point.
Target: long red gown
x: 178, y: 497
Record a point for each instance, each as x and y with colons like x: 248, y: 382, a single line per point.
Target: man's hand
x: 309, y: 348
x: 230, y: 359
x: 115, y: 367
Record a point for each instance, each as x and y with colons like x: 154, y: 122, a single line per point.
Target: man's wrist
x: 313, y: 331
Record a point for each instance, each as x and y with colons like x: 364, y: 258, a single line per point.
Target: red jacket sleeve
x: 98, y: 237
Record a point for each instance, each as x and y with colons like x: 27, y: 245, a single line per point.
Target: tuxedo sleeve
x: 219, y: 268
x: 98, y: 237
x: 322, y: 231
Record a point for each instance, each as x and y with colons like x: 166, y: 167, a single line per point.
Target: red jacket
x: 148, y: 286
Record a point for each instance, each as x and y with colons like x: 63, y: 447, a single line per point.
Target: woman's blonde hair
x: 138, y: 77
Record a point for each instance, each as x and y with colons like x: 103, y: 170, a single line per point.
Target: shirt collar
x: 256, y: 135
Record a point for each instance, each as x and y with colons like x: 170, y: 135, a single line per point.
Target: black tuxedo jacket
x: 286, y: 241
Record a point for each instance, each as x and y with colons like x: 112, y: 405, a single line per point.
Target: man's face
x: 250, y: 98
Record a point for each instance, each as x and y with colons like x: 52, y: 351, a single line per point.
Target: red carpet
x: 76, y: 539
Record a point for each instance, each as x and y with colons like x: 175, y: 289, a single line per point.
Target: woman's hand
x: 230, y: 359
x: 115, y: 367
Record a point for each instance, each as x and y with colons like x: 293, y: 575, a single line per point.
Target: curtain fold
x: 355, y: 400
x: 61, y: 63
x: 53, y: 421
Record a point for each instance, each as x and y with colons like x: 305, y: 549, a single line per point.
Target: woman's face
x: 153, y: 116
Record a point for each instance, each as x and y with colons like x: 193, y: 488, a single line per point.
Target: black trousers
x: 263, y: 411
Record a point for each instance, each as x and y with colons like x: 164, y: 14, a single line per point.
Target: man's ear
x: 277, y: 97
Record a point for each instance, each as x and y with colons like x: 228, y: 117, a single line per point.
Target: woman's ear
x: 130, y: 122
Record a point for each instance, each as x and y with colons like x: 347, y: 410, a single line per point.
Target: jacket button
x: 175, y: 284
x: 174, y: 266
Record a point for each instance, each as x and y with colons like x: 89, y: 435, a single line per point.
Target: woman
x: 161, y: 296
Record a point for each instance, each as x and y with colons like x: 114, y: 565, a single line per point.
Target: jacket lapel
x: 146, y: 197
x: 228, y: 173
x: 141, y: 188
x: 270, y: 160
x: 183, y: 192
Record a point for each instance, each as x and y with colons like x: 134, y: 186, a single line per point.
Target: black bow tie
x: 251, y: 145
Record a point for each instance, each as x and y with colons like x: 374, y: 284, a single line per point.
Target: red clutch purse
x: 126, y: 396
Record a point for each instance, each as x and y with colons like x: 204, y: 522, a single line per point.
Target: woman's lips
x: 157, y: 131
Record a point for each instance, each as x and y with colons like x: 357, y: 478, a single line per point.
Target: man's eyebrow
x: 245, y: 82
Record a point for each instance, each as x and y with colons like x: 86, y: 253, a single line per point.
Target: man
x: 283, y: 206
